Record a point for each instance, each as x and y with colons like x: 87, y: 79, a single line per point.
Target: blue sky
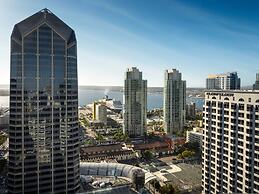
x: 196, y: 37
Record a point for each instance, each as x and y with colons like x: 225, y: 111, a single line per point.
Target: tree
x: 151, y: 134
x: 89, y: 142
x: 84, y: 122
x: 147, y: 155
x: 180, y: 133
x: 3, y: 138
x: 179, y: 156
x: 167, y: 189
x: 99, y: 137
x: 199, y: 116
x: 161, y: 129
x: 194, y: 146
x: 120, y: 136
x: 188, y: 154
x: 157, y: 185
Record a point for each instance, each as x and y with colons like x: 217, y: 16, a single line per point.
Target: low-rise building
x: 195, y: 136
x: 157, y: 147
x: 177, y: 142
x: 106, y: 152
x: 114, y: 105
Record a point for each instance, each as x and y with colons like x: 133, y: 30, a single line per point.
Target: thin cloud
x: 218, y: 22
x: 122, y: 12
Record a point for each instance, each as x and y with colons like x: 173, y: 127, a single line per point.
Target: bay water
x: 87, y: 96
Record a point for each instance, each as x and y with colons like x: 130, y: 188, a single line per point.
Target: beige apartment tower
x: 231, y: 142
x: 174, y: 101
x: 135, y: 103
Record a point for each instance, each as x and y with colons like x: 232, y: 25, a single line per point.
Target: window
x: 241, y: 100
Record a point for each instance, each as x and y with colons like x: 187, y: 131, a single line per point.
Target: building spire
x: 45, y: 11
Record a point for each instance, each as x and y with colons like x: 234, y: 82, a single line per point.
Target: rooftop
x: 101, y: 148
x: 222, y: 92
x: 221, y: 74
x: 43, y: 16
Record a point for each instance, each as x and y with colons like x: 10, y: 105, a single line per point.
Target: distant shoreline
x: 4, y: 92
x: 158, y: 90
x: 6, y: 87
x: 87, y: 95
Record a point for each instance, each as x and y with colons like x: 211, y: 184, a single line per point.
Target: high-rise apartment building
x: 256, y: 85
x: 191, y: 110
x: 231, y: 142
x: 135, y: 103
x: 174, y: 101
x: 43, y: 133
x: 227, y: 81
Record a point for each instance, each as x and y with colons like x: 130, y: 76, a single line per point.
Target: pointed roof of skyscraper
x: 43, y: 16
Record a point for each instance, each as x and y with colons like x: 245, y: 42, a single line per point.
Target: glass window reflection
x: 30, y: 42
x: 45, y: 39
x: 16, y: 63
x: 59, y: 67
x: 45, y: 67
x: 30, y: 65
x: 58, y: 45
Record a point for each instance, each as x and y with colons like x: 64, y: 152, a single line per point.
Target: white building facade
x: 231, y: 142
x: 100, y: 113
x: 195, y: 135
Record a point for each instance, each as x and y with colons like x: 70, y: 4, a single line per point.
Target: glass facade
x: 44, y: 135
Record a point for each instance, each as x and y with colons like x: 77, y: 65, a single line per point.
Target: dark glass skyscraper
x: 256, y: 85
x: 44, y: 135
